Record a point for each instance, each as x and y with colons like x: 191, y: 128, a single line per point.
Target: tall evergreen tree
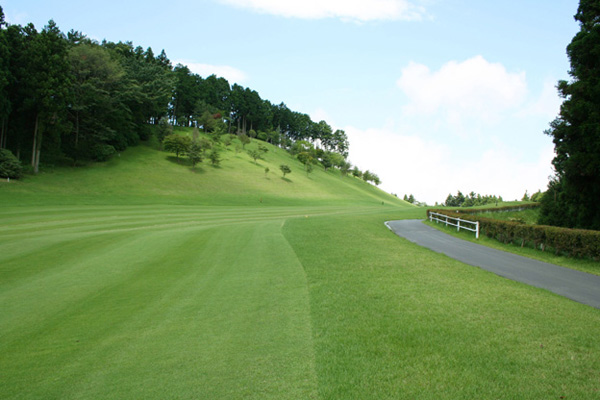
x: 572, y: 198
x: 5, y: 103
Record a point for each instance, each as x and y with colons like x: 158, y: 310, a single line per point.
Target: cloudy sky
x: 435, y: 95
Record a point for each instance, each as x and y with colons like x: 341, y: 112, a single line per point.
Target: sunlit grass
x: 144, y: 278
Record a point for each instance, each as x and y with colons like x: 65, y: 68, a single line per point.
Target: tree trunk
x: 2, y: 139
x: 33, y: 149
x: 37, y: 146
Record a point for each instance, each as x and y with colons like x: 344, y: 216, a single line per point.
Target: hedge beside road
x: 573, y: 242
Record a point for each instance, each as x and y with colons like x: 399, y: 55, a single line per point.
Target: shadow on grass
x: 178, y: 161
x: 288, y: 180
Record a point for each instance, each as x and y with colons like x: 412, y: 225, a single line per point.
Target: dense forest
x: 67, y: 98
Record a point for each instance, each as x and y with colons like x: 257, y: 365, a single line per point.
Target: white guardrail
x: 446, y: 219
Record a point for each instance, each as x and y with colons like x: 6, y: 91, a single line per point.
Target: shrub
x: 102, y: 152
x: 10, y: 166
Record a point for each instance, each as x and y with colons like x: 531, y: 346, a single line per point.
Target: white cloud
x: 353, y: 10
x: 474, y: 88
x: 233, y: 75
x: 547, y: 105
x: 431, y: 170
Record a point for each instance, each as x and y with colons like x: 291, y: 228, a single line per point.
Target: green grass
x: 142, y: 278
x: 143, y: 175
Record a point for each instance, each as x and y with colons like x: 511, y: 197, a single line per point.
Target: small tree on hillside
x: 245, y: 139
x: 177, y: 144
x: 215, y: 157
x: 256, y: 155
x: 307, y: 159
x: 194, y: 153
x: 285, y: 169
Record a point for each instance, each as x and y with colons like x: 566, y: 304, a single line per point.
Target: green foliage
x: 195, y: 153
x: 244, y: 139
x: 369, y: 176
x: 215, y: 157
x: 473, y: 199
x: 10, y: 167
x: 255, y: 154
x: 102, y: 152
x: 67, y: 95
x: 164, y: 129
x: 177, y: 144
x: 285, y: 169
x: 572, y: 199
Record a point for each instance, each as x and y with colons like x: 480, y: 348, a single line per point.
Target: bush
x: 102, y: 152
x: 10, y: 166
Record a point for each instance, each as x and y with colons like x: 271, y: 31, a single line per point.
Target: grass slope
x: 144, y: 175
x: 141, y: 278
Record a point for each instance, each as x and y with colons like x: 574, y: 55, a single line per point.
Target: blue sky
x: 435, y: 95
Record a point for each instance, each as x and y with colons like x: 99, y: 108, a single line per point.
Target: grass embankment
x: 143, y: 175
x: 156, y: 292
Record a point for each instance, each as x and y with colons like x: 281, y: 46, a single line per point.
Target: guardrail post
x: 477, y: 230
x: 458, y: 225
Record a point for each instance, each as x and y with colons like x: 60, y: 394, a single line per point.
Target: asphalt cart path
x: 575, y: 285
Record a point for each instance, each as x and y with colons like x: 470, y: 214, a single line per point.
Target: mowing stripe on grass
x: 200, y: 312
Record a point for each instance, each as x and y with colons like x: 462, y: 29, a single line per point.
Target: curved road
x: 575, y: 285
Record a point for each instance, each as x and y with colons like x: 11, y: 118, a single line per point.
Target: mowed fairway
x: 115, y: 288
x: 153, y: 302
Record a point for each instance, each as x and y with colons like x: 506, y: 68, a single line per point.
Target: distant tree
x: 357, y: 173
x: 345, y: 168
x: 285, y: 169
x: 10, y: 167
x: 572, y: 196
x: 194, y: 153
x: 205, y: 144
x: 262, y: 148
x: 326, y: 160
x: 207, y: 121
x: 245, y: 139
x: 177, y: 144
x: 215, y: 157
x: 525, y: 197
x: 307, y: 159
x: 164, y: 129
x: 48, y: 84
x: 411, y: 199
x: 537, y: 196
x: 267, y: 171
x: 255, y: 154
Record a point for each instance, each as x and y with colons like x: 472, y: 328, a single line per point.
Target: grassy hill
x: 144, y: 175
x: 144, y: 278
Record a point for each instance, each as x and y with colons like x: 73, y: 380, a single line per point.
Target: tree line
x: 65, y: 97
